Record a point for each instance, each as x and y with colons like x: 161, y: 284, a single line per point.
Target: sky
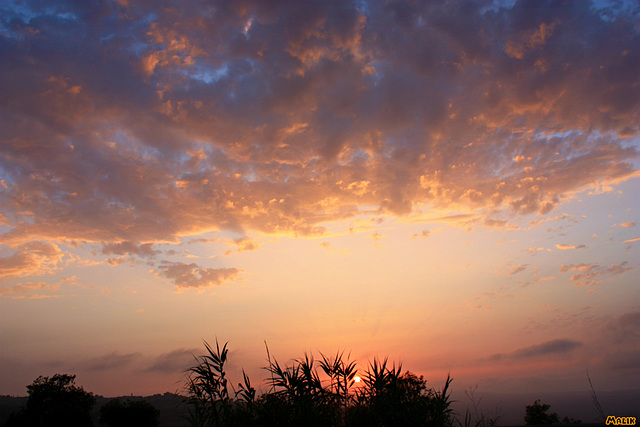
x: 453, y: 185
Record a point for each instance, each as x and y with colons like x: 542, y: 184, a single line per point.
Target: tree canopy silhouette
x: 55, y: 402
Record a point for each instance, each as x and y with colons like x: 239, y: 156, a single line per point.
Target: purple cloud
x: 122, y: 123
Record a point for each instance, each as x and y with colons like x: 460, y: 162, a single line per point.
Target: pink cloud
x: 593, y: 274
x: 31, y: 259
x: 308, y: 115
x: 185, y: 275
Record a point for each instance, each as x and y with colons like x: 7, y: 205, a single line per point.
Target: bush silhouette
x: 137, y: 413
x: 298, y: 396
x: 55, y: 402
x: 537, y: 414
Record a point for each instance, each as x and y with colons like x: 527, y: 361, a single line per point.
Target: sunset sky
x: 454, y: 185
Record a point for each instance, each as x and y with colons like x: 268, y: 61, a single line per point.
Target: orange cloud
x: 592, y: 274
x: 193, y: 123
x: 33, y: 290
x: 185, y: 275
x: 565, y: 246
x: 31, y: 259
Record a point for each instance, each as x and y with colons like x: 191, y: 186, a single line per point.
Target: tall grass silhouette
x: 297, y: 395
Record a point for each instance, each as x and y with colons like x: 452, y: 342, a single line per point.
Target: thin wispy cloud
x: 175, y: 361
x: 593, y: 274
x: 553, y: 347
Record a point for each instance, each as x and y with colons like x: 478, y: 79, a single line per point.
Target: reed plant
x: 297, y: 395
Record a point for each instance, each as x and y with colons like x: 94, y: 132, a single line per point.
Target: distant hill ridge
x: 171, y: 407
x: 510, y: 405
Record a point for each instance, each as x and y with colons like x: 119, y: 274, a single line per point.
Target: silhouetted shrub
x: 298, y: 397
x: 537, y: 414
x: 137, y: 413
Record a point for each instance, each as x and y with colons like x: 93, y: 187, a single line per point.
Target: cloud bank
x: 137, y: 122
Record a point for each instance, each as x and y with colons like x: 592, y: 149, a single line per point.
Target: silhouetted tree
x: 137, y: 413
x: 55, y: 402
x: 537, y: 414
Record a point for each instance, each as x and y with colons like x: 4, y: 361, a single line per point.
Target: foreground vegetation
x: 297, y: 396
x: 306, y: 392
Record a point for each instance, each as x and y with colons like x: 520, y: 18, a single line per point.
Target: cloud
x: 628, y: 224
x: 495, y: 223
x: 329, y: 248
x: 174, y: 361
x: 423, y: 233
x: 619, y: 339
x: 376, y: 236
x: 624, y: 329
x: 185, y: 275
x: 515, y: 269
x: 558, y: 346
x: 306, y: 116
x: 28, y: 289
x: 565, y: 246
x: 592, y: 274
x: 39, y: 290
x: 550, y: 347
x: 243, y: 244
x: 31, y: 259
x: 535, y: 280
x: 622, y: 360
x: 110, y: 361
x: 129, y: 248
x: 534, y: 251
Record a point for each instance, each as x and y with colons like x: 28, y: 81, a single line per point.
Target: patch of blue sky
x: 378, y: 74
x: 148, y: 19
x: 18, y: 9
x: 138, y: 48
x: 250, y: 176
x: 5, y: 178
x: 362, y: 6
x: 69, y: 16
x: 136, y: 145
x: 207, y: 74
x: 359, y: 155
x: 609, y: 10
x: 106, y: 38
x: 546, y: 134
x: 26, y: 13
x: 633, y: 143
x: 495, y: 5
